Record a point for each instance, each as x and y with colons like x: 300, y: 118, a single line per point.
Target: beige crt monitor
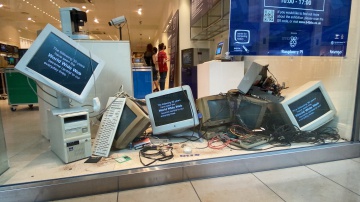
x: 215, y: 110
x: 133, y: 122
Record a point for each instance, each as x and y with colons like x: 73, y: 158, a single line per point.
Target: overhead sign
x: 289, y: 27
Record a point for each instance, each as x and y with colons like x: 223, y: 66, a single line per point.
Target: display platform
x: 31, y: 158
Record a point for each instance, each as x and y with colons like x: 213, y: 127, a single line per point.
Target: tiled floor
x: 331, y: 181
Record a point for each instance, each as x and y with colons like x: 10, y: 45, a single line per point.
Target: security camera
x: 117, y: 21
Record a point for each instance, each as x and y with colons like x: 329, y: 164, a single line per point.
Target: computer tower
x: 190, y: 58
x: 70, y: 136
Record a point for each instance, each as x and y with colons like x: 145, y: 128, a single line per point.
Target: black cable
x: 155, y: 153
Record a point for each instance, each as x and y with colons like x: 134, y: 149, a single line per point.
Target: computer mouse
x: 187, y: 150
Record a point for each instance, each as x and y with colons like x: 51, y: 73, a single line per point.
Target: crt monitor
x: 221, y: 49
x: 250, y: 112
x: 187, y: 58
x: 309, y: 106
x: 133, y: 122
x: 215, y: 110
x: 2, y: 48
x: 172, y: 111
x: 61, y: 64
x: 256, y: 72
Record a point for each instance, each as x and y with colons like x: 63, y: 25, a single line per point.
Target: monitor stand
x: 64, y: 106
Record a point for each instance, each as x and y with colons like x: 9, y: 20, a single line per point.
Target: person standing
x: 148, y: 55
x: 155, y: 69
x: 162, y: 62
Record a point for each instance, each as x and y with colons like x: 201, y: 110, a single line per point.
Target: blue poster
x: 289, y: 27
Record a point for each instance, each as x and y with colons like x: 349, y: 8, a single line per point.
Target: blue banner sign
x: 289, y: 27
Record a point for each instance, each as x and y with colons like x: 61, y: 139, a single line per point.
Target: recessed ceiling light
x: 87, y: 11
x: 29, y: 18
x: 96, y: 20
x: 1, y: 5
x: 84, y: 7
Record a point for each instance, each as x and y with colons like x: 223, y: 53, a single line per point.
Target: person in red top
x: 163, y: 69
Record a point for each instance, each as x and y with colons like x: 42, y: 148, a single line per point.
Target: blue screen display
x: 62, y: 63
x: 219, y: 48
x: 289, y: 27
x: 310, y: 107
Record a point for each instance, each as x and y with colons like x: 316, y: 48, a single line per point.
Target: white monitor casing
x: 172, y: 127
x: 300, y: 93
x: 23, y: 67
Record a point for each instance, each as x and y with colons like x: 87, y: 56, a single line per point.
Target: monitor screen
x: 309, y: 106
x: 187, y: 56
x: 133, y: 122
x: 62, y: 64
x: 3, y: 48
x: 9, y: 49
x: 10, y: 60
x: 219, y: 48
x: 172, y: 111
x: 215, y: 110
x: 289, y: 27
x: 251, y: 112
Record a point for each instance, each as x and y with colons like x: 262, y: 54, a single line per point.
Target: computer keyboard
x: 109, y: 123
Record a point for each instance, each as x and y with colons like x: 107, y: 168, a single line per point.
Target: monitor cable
x: 155, y: 153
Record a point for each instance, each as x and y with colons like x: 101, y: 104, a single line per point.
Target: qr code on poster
x: 268, y: 15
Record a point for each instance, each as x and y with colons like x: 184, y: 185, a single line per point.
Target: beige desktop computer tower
x: 70, y: 136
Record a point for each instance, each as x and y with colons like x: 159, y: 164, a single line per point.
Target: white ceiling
x: 141, y: 27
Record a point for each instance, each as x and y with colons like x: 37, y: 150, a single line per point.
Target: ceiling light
x: 29, y: 18
x: 1, y: 5
x: 139, y: 11
x: 96, y: 20
x: 87, y: 11
x: 84, y: 7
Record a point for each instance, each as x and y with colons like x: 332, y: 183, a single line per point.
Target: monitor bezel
x: 190, y: 51
x: 175, y: 127
x: 300, y: 93
x: 255, y: 101
x: 221, y: 46
x: 3, y: 48
x: 203, y: 107
x: 22, y: 64
x: 135, y: 128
